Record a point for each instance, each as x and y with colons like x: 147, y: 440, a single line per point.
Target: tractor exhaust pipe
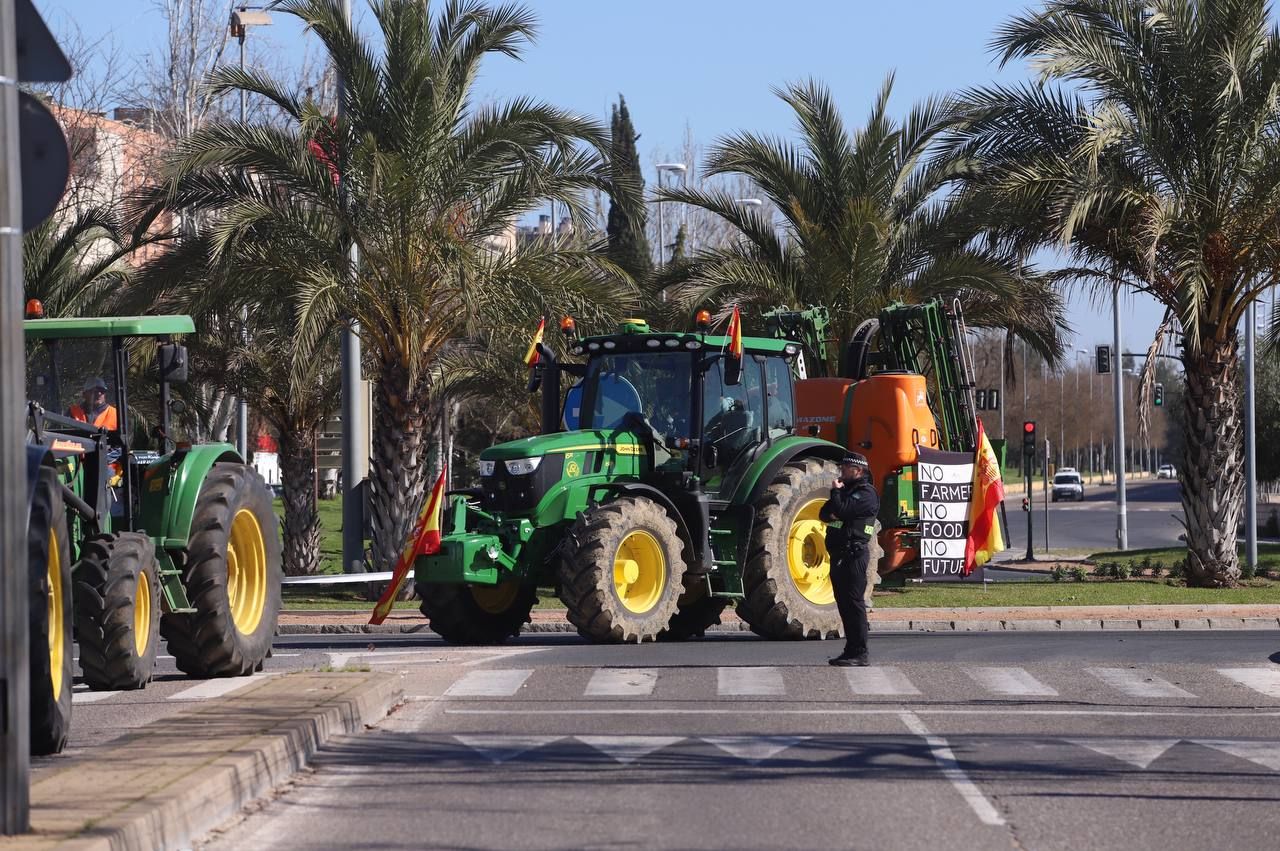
x: 550, y: 381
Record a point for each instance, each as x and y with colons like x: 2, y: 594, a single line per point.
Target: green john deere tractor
x: 130, y: 544
x: 670, y: 484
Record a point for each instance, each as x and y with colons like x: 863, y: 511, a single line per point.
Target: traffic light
x: 1029, y: 436
x: 993, y: 400
x: 1158, y: 396
x: 1104, y: 360
x: 980, y: 399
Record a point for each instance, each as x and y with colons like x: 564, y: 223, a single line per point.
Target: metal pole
x: 1250, y: 446
x: 1027, y: 461
x: 1062, y: 418
x: 1122, y: 520
x: 15, y: 761
x: 355, y: 439
x: 242, y: 408
x: 662, y: 237
x: 1048, y: 453
x: 1003, y: 401
x: 1075, y: 435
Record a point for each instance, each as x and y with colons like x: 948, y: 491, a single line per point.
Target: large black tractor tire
x: 696, y: 611
x: 232, y: 576
x: 477, y: 614
x: 49, y: 617
x: 786, y: 579
x: 621, y: 571
x: 118, y: 610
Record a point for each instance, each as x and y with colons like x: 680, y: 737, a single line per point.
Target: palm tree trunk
x: 1213, y: 469
x: 301, y: 515
x: 397, y: 474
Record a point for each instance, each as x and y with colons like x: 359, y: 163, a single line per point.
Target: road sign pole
x: 1122, y: 520
x: 1048, y: 454
x: 14, y: 674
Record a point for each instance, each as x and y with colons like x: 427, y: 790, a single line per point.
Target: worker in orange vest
x: 94, y: 408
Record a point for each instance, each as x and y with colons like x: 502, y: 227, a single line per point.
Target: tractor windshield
x: 655, y: 385
x: 75, y: 378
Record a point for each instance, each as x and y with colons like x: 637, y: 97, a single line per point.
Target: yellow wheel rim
x: 807, y: 557
x: 495, y: 599
x: 142, y: 614
x: 246, y: 572
x: 639, y: 572
x: 57, y: 648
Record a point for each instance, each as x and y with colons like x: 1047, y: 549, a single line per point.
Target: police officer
x: 850, y: 513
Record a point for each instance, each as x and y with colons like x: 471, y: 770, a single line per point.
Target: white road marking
x: 491, y: 655
x: 749, y: 682
x: 1139, y: 753
x: 622, y: 682
x: 754, y: 749
x: 1013, y: 682
x: 985, y: 711
x: 951, y: 769
x: 1266, y: 754
x: 1138, y: 683
x: 502, y: 682
x: 1265, y: 680
x: 218, y: 687
x: 628, y: 749
x: 879, y: 681
x: 499, y: 748
x: 91, y: 696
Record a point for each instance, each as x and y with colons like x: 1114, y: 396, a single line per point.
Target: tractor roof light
x: 569, y: 328
x: 35, y: 309
x: 610, y: 344
x: 671, y: 343
x: 654, y: 343
x: 693, y: 344
x: 703, y: 320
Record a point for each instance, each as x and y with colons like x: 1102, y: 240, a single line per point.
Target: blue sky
x: 707, y: 65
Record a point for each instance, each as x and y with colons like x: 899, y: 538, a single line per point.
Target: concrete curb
x: 180, y: 777
x: 878, y: 625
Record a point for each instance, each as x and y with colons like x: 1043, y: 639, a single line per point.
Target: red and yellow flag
x: 985, y: 536
x: 531, y: 356
x: 424, y: 541
x: 735, y: 334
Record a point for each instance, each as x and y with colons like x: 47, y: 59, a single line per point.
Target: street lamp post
x: 1122, y: 520
x: 682, y: 169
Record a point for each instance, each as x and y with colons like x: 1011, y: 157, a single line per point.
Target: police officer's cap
x: 856, y: 460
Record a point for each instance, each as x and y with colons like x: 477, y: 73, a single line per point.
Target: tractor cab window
x: 732, y: 416
x: 652, y: 385
x: 75, y: 378
x: 778, y: 386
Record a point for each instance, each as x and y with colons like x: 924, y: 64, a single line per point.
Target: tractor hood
x: 619, y: 441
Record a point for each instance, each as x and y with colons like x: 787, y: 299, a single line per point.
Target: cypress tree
x: 628, y: 245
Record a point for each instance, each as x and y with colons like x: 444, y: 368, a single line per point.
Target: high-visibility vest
x: 106, y: 418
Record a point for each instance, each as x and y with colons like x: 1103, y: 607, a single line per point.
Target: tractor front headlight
x: 487, y: 467
x: 523, y: 466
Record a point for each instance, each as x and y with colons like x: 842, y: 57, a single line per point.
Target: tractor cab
x: 79, y: 405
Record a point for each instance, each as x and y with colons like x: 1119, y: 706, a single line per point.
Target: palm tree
x: 77, y: 269
x: 430, y: 182
x: 864, y: 224
x: 1149, y: 150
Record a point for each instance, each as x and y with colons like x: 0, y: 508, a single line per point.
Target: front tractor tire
x: 118, y: 611
x: 477, y: 614
x: 232, y: 577
x: 787, y: 577
x: 49, y: 617
x: 621, y: 571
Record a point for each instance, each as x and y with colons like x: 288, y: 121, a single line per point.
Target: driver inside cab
x: 93, y: 408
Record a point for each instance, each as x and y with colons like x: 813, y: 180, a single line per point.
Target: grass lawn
x: 1268, y: 556
x: 330, y: 533
x: 1133, y: 592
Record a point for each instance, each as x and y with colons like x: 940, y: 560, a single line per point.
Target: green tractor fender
x: 765, y: 469
x: 170, y: 488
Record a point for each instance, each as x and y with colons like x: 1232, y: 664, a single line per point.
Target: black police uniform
x: 854, y: 507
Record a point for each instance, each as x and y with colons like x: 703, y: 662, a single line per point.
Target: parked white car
x: 1067, y: 484
x: 1166, y: 471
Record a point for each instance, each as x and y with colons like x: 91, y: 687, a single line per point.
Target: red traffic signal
x: 1029, y: 427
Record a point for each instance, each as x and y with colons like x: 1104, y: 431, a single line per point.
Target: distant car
x: 1166, y: 471
x: 1067, y: 484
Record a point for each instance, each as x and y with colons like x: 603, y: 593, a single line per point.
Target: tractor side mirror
x: 173, y: 363
x: 732, y: 371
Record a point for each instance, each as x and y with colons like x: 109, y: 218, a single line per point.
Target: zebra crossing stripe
x: 1138, y: 683
x: 91, y: 696
x: 1265, y: 680
x: 622, y: 682
x: 502, y: 682
x: 879, y: 681
x: 749, y: 682
x: 1012, y: 682
x: 217, y: 688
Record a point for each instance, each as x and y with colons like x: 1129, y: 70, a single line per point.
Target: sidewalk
x: 176, y: 779
x: 977, y: 619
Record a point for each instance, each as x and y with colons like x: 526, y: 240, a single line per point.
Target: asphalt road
x: 1041, y: 741
x: 1153, y: 512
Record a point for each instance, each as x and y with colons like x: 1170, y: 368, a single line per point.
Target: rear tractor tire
x: 787, y: 576
x: 49, y: 617
x: 118, y: 611
x: 477, y: 614
x: 232, y: 576
x: 621, y: 571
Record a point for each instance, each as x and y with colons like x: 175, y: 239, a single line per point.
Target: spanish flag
x: 531, y: 356
x: 424, y: 541
x: 985, y: 536
x: 735, y: 334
